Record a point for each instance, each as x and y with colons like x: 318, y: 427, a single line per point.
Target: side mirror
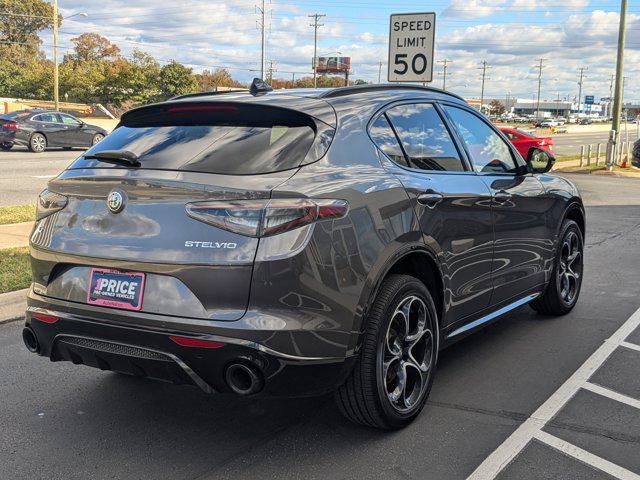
x: 540, y: 161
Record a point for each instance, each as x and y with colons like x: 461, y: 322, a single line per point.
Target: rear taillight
x: 10, y: 126
x: 44, y: 318
x: 262, y: 218
x: 195, y: 342
x: 49, y: 202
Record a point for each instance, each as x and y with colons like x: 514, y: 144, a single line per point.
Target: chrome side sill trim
x: 492, y: 315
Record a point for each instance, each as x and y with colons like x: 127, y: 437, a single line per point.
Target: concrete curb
x: 13, y: 305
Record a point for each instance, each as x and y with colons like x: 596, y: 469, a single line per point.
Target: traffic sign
x: 411, y: 44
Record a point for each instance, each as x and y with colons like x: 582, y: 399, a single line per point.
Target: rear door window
x: 425, y: 138
x: 46, y: 118
x: 222, y: 139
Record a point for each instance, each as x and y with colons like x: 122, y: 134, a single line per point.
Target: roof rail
x: 341, y: 91
x: 206, y: 94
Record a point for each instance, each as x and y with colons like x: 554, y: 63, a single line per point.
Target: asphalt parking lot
x: 552, y: 398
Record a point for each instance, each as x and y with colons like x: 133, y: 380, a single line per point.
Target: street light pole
x: 55, y: 56
x: 617, y: 102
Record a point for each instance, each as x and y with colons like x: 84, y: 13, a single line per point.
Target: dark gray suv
x: 298, y: 242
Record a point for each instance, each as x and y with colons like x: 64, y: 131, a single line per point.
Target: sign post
x: 411, y: 45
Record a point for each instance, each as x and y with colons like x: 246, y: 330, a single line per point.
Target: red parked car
x: 524, y: 141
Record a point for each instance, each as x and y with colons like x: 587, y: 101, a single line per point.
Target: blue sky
x: 510, y: 35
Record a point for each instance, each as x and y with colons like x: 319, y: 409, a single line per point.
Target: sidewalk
x: 15, y: 235
x: 13, y: 305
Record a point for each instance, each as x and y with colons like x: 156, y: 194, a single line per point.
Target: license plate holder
x: 115, y: 289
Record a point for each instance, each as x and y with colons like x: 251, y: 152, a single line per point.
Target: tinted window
x: 69, y: 120
x: 46, y: 117
x: 424, y: 137
x: 489, y: 153
x: 383, y: 135
x: 216, y: 137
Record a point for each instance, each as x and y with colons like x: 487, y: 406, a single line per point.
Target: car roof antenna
x: 259, y: 87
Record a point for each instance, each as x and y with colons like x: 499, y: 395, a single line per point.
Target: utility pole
x: 379, y: 71
x: 582, y: 70
x: 444, y: 63
x: 315, y: 25
x: 540, y: 66
x: 484, y: 76
x: 263, y: 35
x: 617, y: 102
x: 293, y: 79
x: 271, y: 70
x: 56, y: 101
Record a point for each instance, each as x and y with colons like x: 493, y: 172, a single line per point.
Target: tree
x: 221, y: 77
x: 176, y: 79
x: 20, y: 21
x: 496, y: 107
x: 91, y: 47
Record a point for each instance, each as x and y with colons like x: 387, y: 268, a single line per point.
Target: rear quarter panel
x: 324, y: 291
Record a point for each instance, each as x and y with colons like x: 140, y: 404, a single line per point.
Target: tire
x: 6, y: 146
x: 365, y: 397
x: 96, y: 138
x: 37, y: 143
x: 563, y: 290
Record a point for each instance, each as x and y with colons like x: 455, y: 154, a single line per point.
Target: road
x: 60, y: 421
x: 569, y: 143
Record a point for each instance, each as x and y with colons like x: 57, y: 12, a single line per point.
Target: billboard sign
x: 411, y: 43
x: 335, y: 65
x: 589, y: 99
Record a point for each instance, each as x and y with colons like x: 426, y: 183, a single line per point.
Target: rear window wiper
x: 115, y: 156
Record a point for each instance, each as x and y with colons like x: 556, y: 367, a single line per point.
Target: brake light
x: 195, y: 342
x: 262, y: 218
x: 45, y: 318
x: 196, y: 108
x: 10, y: 126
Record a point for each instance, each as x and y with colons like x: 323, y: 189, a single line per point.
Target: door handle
x: 501, y: 196
x: 430, y: 198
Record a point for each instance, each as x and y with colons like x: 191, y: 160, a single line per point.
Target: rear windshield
x: 222, y: 139
x: 16, y: 115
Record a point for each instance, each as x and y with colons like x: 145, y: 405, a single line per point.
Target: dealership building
x: 555, y: 108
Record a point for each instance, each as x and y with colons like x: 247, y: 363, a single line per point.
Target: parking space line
x: 618, y: 397
x: 506, y: 452
x: 586, y: 457
x: 632, y: 346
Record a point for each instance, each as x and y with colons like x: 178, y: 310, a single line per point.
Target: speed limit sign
x: 411, y: 42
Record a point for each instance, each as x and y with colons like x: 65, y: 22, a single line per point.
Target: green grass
x: 17, y: 214
x: 15, y: 269
x: 568, y: 158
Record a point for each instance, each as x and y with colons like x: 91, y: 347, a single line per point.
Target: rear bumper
x: 142, y: 350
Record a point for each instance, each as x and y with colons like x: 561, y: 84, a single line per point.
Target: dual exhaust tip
x: 244, y: 379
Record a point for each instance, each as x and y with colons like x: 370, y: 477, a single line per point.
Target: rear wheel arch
x: 414, y: 260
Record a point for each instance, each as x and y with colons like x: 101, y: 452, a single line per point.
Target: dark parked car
x: 39, y: 129
x: 298, y: 242
x: 635, y: 160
